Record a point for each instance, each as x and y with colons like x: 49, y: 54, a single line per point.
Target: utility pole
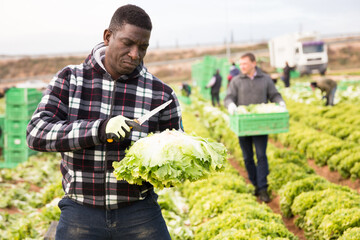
x: 228, y: 50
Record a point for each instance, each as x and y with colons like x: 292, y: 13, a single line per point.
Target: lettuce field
x: 306, y: 203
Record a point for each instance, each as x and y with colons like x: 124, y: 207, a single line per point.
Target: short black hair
x: 251, y: 56
x: 130, y: 14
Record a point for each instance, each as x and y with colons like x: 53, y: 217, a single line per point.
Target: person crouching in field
x: 328, y: 86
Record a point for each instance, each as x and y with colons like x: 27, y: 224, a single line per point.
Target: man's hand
x: 117, y: 128
x: 231, y: 108
x: 282, y: 104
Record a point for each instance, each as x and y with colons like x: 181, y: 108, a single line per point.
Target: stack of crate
x: 2, y: 131
x: 202, y: 72
x: 20, y: 105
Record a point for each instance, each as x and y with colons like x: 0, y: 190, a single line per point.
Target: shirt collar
x: 255, y: 73
x: 98, y: 56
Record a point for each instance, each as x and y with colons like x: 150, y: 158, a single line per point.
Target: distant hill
x: 344, y: 53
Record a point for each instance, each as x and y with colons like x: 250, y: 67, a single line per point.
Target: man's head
x: 130, y: 14
x: 313, y: 85
x: 248, y: 64
x: 127, y: 40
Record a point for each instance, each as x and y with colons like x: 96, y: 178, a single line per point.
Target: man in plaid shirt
x: 82, y: 104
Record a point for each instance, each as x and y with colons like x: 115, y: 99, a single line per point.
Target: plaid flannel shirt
x: 67, y: 120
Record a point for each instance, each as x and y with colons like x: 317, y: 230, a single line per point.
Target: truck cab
x: 310, y: 57
x: 305, y: 51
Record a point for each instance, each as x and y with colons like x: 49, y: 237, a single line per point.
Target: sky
x: 35, y: 27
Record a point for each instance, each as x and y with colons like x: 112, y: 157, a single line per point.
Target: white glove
x: 282, y: 104
x: 231, y: 108
x: 117, y: 128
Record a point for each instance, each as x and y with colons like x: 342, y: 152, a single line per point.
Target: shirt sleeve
x: 273, y: 93
x: 49, y: 129
x: 171, y: 116
x: 212, y: 82
x: 231, y: 94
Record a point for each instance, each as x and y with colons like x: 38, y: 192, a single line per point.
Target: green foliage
x: 307, y: 200
x: 281, y: 174
x: 243, y: 221
x: 175, y: 210
x: 334, y: 224
x: 315, y: 216
x: 351, y: 234
x: 355, y: 171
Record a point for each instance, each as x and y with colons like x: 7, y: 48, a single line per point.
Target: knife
x: 134, y: 123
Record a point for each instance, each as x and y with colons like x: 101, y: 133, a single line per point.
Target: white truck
x: 305, y: 51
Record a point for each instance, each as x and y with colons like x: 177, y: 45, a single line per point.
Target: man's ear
x: 106, y: 37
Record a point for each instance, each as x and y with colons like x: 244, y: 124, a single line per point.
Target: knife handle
x: 133, y: 124
x: 111, y: 137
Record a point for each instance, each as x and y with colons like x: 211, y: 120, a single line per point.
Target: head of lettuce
x: 169, y: 158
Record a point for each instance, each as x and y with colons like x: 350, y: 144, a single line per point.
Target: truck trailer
x: 305, y: 51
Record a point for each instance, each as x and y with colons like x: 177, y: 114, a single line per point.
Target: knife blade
x: 148, y: 115
x: 139, y: 121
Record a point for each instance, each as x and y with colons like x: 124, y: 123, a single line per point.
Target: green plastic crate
x: 4, y: 164
x: 22, y: 96
x: 16, y: 127
x: 259, y: 123
x: 2, y: 130
x: 15, y: 142
x: 20, y: 112
x: 13, y: 157
x: 185, y: 100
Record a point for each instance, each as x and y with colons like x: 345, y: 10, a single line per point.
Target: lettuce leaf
x: 169, y: 158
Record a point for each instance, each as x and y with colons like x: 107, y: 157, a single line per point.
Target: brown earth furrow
x: 274, y: 204
x: 325, y: 172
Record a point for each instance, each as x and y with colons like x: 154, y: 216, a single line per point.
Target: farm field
x: 314, y: 175
x: 307, y: 203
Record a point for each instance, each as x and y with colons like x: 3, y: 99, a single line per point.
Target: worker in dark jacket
x: 215, y: 84
x: 286, y: 74
x: 328, y: 86
x: 252, y: 86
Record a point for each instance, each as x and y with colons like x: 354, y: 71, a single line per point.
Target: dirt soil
x: 274, y: 204
x: 334, y: 176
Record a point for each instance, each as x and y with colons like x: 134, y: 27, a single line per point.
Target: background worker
x: 286, y: 74
x: 252, y: 86
x: 185, y: 89
x: 233, y: 72
x: 81, y: 106
x: 328, y: 86
x: 215, y: 85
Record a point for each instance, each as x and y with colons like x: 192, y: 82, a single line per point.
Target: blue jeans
x: 141, y: 220
x: 330, y: 99
x: 257, y: 173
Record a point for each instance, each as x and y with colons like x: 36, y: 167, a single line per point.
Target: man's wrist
x: 102, y: 132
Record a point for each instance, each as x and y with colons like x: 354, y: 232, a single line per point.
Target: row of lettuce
x: 322, y: 209
x: 329, y: 135
x: 194, y: 211
x: 347, y: 92
x: 221, y: 207
x: 29, y: 197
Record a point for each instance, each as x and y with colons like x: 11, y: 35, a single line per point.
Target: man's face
x: 126, y: 48
x: 247, y: 66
